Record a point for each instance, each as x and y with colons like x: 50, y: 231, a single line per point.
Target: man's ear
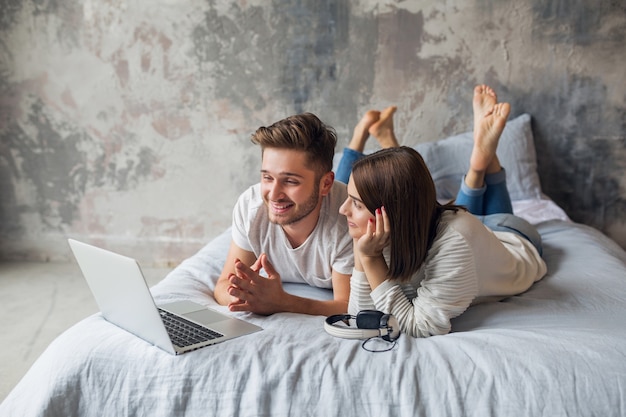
x: 326, y: 182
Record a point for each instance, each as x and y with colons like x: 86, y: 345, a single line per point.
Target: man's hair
x: 302, y: 132
x: 399, y: 180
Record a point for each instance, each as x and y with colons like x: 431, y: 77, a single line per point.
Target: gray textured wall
x: 128, y: 123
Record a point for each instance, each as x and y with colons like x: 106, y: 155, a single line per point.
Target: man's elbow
x: 221, y: 292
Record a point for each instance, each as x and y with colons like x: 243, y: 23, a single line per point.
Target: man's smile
x: 280, y: 207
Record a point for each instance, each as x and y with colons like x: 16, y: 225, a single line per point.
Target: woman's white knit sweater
x: 467, y: 263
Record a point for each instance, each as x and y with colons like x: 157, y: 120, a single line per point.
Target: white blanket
x: 557, y: 350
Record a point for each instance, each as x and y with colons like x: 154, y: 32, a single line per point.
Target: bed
x: 558, y: 349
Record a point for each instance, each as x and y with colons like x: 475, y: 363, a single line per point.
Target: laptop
x: 122, y: 294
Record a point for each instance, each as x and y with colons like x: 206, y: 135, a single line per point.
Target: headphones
x: 369, y: 323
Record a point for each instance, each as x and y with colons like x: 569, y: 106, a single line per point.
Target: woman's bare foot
x: 382, y: 130
x: 482, y: 103
x: 486, y: 137
x: 361, y: 130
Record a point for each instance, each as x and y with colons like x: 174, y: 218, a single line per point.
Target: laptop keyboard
x: 185, y: 333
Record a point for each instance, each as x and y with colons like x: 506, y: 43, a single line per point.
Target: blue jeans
x: 491, y: 203
x: 349, y: 157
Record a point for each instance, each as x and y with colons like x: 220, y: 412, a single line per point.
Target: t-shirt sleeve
x: 344, y: 261
x: 241, y: 222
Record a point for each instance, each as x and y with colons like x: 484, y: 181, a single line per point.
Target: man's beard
x: 303, y: 211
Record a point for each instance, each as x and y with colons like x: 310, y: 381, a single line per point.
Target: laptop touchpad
x: 205, y: 316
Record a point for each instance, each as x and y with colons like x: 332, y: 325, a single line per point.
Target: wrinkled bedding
x: 558, y: 349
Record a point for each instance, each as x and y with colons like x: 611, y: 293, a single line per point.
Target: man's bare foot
x: 361, y: 130
x: 482, y: 103
x: 486, y: 137
x: 382, y: 130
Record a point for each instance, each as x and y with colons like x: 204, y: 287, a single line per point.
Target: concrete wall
x: 127, y: 123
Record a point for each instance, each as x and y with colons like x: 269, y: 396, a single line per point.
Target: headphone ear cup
x: 369, y: 319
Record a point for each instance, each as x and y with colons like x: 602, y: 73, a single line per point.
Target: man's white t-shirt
x: 328, y: 248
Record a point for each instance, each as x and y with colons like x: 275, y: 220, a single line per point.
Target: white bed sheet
x: 559, y: 349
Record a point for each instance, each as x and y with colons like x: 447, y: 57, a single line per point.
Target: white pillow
x: 448, y: 160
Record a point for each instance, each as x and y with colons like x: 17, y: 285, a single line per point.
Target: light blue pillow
x: 448, y: 160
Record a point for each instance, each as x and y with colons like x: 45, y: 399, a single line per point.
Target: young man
x: 291, y: 217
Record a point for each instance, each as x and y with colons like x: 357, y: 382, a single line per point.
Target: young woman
x: 426, y: 262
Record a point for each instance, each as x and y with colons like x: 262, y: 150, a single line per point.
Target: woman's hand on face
x: 377, y: 236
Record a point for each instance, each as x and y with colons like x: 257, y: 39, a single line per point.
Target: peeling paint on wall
x: 581, y: 149
x: 129, y: 125
x: 582, y: 23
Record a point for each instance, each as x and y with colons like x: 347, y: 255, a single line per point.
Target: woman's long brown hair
x: 399, y: 180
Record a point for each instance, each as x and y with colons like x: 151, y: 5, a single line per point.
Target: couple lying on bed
x: 397, y: 250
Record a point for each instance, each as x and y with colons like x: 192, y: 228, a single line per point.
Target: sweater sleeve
x: 447, y: 289
x: 359, y: 293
